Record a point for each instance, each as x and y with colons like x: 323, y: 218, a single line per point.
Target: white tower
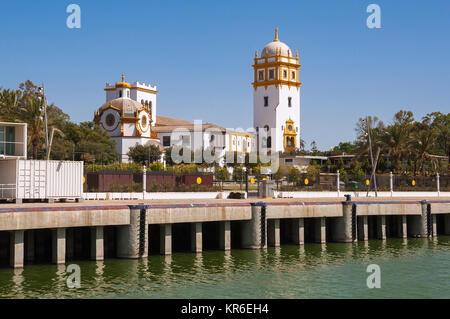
x: 276, y: 99
x: 128, y: 115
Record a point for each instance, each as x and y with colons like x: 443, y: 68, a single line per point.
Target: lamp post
x: 42, y: 91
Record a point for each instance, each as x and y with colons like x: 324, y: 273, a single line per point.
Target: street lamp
x: 42, y: 91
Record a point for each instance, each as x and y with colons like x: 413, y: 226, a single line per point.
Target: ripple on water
x: 412, y: 268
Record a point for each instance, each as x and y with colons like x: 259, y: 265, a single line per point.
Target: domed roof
x: 123, y: 84
x: 128, y: 106
x: 274, y: 46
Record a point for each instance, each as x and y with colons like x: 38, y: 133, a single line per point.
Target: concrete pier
x: 17, y: 248
x: 97, y: 243
x: 298, y: 231
x: 196, y: 237
x: 273, y: 232
x: 402, y: 225
x: 165, y: 244
x: 342, y: 227
x: 381, y: 227
x: 59, y: 246
x: 71, y: 228
x: 254, y: 231
x: 225, y: 235
x: 320, y: 230
x: 132, y: 239
x: 363, y: 228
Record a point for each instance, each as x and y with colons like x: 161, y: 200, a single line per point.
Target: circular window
x: 110, y: 120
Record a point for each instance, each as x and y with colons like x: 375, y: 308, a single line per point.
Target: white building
x: 128, y: 115
x: 276, y: 99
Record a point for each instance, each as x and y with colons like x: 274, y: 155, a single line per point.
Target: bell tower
x: 276, y: 97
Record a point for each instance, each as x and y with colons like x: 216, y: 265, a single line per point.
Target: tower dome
x: 123, y: 84
x: 272, y: 48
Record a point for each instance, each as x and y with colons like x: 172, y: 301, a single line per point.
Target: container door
x: 31, y: 179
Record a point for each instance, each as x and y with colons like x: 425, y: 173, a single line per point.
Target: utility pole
x: 371, y: 159
x: 45, y: 119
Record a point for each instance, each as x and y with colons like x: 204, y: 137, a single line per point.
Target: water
x: 410, y: 268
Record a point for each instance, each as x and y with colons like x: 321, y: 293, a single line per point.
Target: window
x: 288, y: 160
x: 120, y: 93
x: 284, y: 73
x: 269, y: 142
x: 266, y: 101
x: 128, y: 93
x: 261, y: 75
x: 289, y: 101
x: 271, y: 74
x: 7, y: 139
x: 110, y: 119
x: 293, y: 75
x: 166, y: 140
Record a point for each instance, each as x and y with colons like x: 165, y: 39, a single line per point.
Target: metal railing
x: 7, y: 191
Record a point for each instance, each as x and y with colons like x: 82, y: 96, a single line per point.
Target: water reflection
x: 290, y: 271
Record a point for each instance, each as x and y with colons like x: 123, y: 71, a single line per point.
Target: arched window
x: 120, y: 93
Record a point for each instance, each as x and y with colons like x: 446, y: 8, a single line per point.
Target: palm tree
x: 31, y: 113
x: 9, y: 101
x: 395, y: 142
x: 422, y: 142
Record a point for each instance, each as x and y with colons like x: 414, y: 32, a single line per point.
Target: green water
x: 412, y: 268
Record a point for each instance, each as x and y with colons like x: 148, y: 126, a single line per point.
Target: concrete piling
x: 165, y: 244
x: 225, y: 235
x: 254, y: 231
x: 59, y: 246
x: 273, y: 232
x: 298, y: 231
x: 320, y: 230
x: 17, y: 248
x: 97, y: 243
x: 196, y: 237
x: 381, y: 227
x: 402, y: 226
x: 132, y: 239
x: 342, y: 226
x: 363, y: 228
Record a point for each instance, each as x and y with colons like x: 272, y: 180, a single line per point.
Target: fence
x: 129, y: 181
x: 329, y: 182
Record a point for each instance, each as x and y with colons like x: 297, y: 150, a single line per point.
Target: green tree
x: 293, y: 175
x: 144, y: 154
x: 9, y: 105
x: 222, y: 174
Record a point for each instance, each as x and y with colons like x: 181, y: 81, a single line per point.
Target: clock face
x: 110, y: 120
x: 144, y: 121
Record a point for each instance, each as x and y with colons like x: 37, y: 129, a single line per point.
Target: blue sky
x: 199, y: 54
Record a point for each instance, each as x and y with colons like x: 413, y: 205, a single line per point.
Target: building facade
x: 276, y: 98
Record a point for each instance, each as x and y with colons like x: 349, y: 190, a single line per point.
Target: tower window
x: 261, y: 75
x: 284, y: 73
x: 128, y: 93
x: 120, y: 93
x: 269, y: 142
x: 289, y: 101
x: 266, y: 101
x: 271, y: 74
x: 293, y: 75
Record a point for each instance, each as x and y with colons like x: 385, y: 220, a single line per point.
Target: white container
x: 39, y: 179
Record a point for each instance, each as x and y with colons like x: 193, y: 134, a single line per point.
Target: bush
x: 154, y: 187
